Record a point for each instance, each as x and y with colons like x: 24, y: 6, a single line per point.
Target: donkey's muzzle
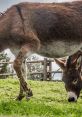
x: 71, y: 99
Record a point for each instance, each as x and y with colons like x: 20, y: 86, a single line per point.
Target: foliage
x: 49, y: 100
x: 34, y: 67
x: 3, y: 58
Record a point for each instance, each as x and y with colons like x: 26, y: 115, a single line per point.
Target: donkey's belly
x: 59, y: 49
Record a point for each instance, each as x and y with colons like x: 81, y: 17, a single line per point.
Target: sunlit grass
x: 49, y: 100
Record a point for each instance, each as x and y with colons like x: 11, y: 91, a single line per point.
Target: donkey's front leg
x: 18, y: 68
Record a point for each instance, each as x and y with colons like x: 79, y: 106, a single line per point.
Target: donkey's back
x: 56, y: 27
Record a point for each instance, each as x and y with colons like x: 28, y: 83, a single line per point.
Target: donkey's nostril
x: 71, y: 99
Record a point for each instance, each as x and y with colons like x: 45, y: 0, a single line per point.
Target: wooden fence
x: 46, y: 72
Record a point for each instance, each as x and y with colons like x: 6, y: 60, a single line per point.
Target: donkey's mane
x: 1, y: 14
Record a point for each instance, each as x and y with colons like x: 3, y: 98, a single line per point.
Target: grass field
x: 49, y: 100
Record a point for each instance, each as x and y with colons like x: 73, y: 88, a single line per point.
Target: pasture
x: 49, y: 100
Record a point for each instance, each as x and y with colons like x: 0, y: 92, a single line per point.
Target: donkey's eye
x: 75, y: 81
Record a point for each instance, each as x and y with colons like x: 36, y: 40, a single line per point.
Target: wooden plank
x: 47, y: 72
x: 39, y: 61
x: 7, y: 74
x: 6, y: 62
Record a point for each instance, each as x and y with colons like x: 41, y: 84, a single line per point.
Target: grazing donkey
x: 72, y: 75
x: 49, y: 29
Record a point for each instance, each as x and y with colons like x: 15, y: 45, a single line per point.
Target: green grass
x: 49, y: 100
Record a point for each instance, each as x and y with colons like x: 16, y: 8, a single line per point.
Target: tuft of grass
x: 49, y: 100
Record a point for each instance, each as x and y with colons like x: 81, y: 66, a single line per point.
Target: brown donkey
x: 52, y: 30
x: 72, y: 75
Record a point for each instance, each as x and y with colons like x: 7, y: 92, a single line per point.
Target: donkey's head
x: 71, y: 76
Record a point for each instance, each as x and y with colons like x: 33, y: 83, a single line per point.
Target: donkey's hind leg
x: 25, y: 50
x: 21, y: 94
x: 18, y: 68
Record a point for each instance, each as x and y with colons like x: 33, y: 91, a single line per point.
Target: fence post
x: 50, y: 69
x: 45, y: 69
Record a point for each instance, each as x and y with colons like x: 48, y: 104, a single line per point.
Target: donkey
x: 49, y: 29
x: 72, y: 75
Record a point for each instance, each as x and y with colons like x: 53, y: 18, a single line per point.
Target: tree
x: 34, y: 67
x: 3, y: 66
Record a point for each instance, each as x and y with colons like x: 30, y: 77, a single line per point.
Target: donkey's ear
x: 79, y: 63
x: 61, y: 63
x: 74, y: 62
x: 71, y: 61
x: 74, y: 58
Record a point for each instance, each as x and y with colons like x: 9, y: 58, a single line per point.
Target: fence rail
x: 47, y: 69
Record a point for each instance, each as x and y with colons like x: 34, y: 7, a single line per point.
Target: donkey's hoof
x: 20, y: 97
x: 29, y: 94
